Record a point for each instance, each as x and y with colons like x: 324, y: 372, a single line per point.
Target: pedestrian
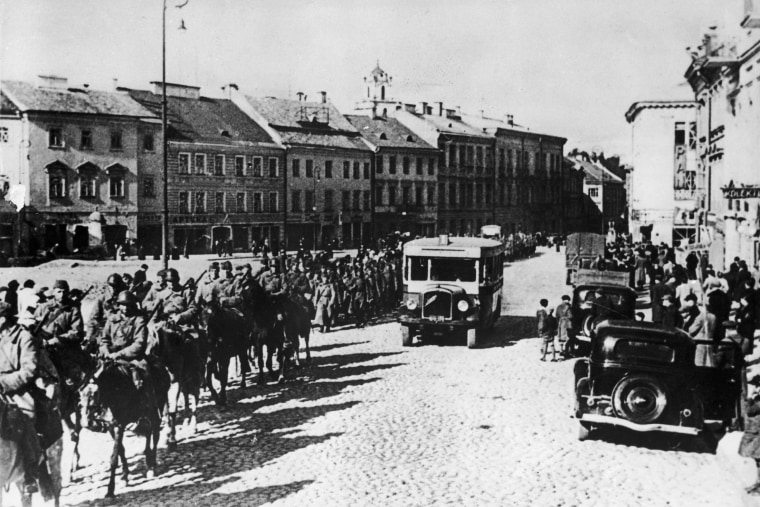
x: 564, y: 315
x: 750, y: 443
x: 545, y: 322
x: 670, y: 315
x: 693, y: 320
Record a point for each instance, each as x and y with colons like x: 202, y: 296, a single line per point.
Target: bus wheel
x: 472, y: 338
x: 406, y: 336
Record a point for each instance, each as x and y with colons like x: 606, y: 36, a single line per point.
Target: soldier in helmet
x: 105, y: 306
x: 177, y: 307
x: 124, y: 338
x: 272, y: 280
x: 151, y: 299
x: 60, y: 322
x: 226, y: 290
x: 206, y: 291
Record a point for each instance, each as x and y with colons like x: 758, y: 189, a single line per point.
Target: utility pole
x: 165, y: 224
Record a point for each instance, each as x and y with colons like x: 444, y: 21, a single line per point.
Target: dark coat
x: 750, y: 444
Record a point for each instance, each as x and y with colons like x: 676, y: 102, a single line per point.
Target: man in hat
x: 125, y: 336
x: 19, y: 354
x: 657, y: 292
x: 140, y: 284
x: 59, y: 319
x: 693, y: 320
x: 105, y: 306
x: 671, y: 317
x: 141, y: 275
x: 226, y: 290
x: 272, y: 280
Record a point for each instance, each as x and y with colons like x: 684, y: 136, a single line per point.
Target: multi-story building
x: 75, y: 158
x: 573, y: 199
x: 663, y: 197
x: 226, y: 175
x: 724, y: 76
x: 604, y: 197
x: 529, y: 172
x: 404, y: 179
x: 328, y: 170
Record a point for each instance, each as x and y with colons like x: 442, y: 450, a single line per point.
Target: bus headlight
x: 411, y: 304
x: 463, y: 305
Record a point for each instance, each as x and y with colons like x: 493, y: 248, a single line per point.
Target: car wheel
x: 639, y: 398
x: 406, y: 336
x: 584, y: 431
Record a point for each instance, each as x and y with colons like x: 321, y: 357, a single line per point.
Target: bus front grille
x: 436, y: 305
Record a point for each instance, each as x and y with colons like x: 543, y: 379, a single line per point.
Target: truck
x: 580, y: 251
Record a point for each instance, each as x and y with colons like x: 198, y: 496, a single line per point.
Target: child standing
x: 547, y: 328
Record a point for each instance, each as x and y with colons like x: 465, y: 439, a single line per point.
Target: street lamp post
x: 314, y: 215
x: 165, y: 217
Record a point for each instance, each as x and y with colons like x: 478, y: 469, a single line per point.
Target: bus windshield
x: 453, y: 270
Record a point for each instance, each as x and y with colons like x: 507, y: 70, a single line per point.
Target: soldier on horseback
x: 227, y: 292
x: 105, y: 307
x: 60, y: 323
x: 207, y: 288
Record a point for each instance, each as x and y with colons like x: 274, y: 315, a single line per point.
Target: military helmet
x: 227, y: 266
x: 115, y: 280
x: 172, y: 275
x: 126, y: 298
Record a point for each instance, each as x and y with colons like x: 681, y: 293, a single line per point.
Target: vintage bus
x: 452, y: 285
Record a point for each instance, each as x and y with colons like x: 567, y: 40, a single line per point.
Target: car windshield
x: 652, y: 351
x: 617, y: 303
x: 453, y: 270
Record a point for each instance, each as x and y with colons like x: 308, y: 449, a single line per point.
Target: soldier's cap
x: 565, y: 298
x: 6, y: 309
x: 227, y: 266
x: 61, y: 284
x: 214, y: 266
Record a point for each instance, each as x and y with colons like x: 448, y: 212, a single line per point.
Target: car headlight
x: 463, y: 305
x: 411, y: 304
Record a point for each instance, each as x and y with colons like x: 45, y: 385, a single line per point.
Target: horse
x: 267, y: 320
x: 183, y: 356
x: 114, y: 388
x: 225, y: 335
x: 297, y: 323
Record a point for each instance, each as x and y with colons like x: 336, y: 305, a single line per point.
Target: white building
x: 663, y: 200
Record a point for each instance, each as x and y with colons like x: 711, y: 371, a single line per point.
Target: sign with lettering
x: 741, y: 192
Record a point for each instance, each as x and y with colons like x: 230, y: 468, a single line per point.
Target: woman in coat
x: 324, y: 300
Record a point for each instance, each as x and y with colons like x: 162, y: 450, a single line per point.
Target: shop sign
x: 731, y: 192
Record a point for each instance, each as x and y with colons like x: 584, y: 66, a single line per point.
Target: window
x: 431, y: 195
x: 295, y: 200
x: 419, y: 165
x: 116, y: 185
x: 273, y: 173
x: 310, y: 204
x: 391, y: 195
x: 116, y: 143
x: 366, y: 170
x: 346, y: 169
x: 328, y: 200
x: 328, y: 168
x: 357, y: 200
x: 392, y: 165
x: 296, y: 168
x: 220, y: 202
x: 149, y: 186
x: 378, y: 195
x: 183, y: 203
x: 346, y: 200
x: 470, y: 156
x: 239, y: 166
x: 240, y: 202
x: 405, y: 191
x: 219, y: 165
x: 462, y: 155
x: 379, y: 164
x: 356, y: 170
x: 86, y: 140
x: 148, y: 144
x: 257, y: 163
x: 365, y: 195
x: 431, y: 167
x: 184, y: 163
x: 258, y: 205
x: 199, y: 163
x: 87, y: 187
x: 273, y: 202
x: 479, y: 195
x: 593, y: 192
x: 479, y: 155
x: 452, y: 155
x: 418, y: 200
x: 309, y: 168
x: 680, y: 133
x: 452, y: 194
x: 405, y: 165
x: 55, y: 138
x: 200, y: 202
x: 3, y: 134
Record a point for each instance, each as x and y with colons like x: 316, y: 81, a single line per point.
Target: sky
x: 564, y: 67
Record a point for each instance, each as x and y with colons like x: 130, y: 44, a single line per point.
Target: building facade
x: 404, y: 179
x: 663, y: 203
x: 328, y: 171
x: 724, y: 77
x: 226, y: 176
x: 604, y: 197
x: 74, y: 158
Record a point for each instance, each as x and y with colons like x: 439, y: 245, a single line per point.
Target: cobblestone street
x: 372, y: 423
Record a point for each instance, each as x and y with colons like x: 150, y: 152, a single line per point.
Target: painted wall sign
x: 732, y: 192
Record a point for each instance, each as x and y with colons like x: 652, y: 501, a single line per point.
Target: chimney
x: 324, y: 97
x: 510, y: 119
x: 439, y: 108
x: 422, y: 107
x: 54, y: 82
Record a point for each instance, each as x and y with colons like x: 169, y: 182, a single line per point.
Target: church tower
x: 376, y: 94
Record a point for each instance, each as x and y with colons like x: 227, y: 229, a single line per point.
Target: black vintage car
x: 589, y: 308
x: 644, y: 377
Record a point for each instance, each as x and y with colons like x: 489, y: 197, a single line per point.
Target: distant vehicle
x: 491, y: 232
x: 581, y: 249
x: 588, y: 310
x: 451, y: 285
x: 644, y: 377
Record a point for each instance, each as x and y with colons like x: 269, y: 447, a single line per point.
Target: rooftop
x: 204, y: 119
x: 492, y: 124
x: 387, y: 133
x: 595, y: 173
x: 637, y: 107
x: 27, y: 97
